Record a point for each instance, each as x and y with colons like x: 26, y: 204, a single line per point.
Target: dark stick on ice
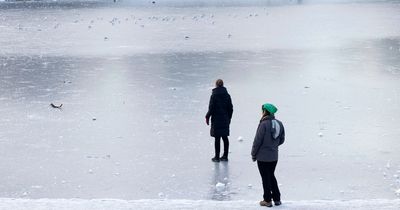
x: 55, y: 106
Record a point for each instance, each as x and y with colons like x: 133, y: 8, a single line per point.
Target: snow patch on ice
x: 165, y: 204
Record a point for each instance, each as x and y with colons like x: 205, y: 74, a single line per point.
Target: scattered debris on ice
x: 249, y: 186
x: 320, y: 134
x: 56, y: 106
x: 226, y: 179
x: 240, y: 138
x: 90, y: 171
x: 161, y: 195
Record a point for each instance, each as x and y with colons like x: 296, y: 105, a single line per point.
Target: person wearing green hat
x: 269, y: 136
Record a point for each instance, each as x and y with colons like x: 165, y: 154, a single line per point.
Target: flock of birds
x: 139, y: 21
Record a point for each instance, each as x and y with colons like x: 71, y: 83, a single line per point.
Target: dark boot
x: 215, y: 159
x: 224, y: 158
x: 266, y: 203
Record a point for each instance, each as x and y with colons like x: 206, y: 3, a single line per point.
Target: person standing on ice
x: 269, y: 136
x: 220, y: 111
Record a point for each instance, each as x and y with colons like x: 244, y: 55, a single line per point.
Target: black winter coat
x: 220, y: 110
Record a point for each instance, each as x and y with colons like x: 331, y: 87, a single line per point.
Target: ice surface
x: 132, y: 123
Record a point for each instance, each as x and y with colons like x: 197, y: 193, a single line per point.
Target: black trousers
x: 217, y: 145
x: 270, y: 185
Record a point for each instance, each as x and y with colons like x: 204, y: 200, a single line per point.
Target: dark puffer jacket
x: 220, y: 110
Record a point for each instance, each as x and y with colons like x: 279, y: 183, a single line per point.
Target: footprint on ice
x: 220, y: 186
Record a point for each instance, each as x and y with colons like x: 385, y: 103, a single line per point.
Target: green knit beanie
x: 270, y: 108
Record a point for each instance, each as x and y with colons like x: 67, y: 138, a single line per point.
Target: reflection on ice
x: 221, y: 182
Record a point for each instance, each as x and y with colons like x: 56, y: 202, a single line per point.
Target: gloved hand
x: 208, y: 121
x: 253, y: 158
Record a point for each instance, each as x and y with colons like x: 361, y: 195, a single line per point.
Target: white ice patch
x: 388, y: 165
x: 220, y: 186
x: 398, y: 192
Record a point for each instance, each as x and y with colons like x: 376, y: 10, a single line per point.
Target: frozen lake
x: 135, y: 83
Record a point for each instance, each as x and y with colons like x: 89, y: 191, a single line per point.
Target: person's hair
x: 219, y: 83
x: 265, y: 112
